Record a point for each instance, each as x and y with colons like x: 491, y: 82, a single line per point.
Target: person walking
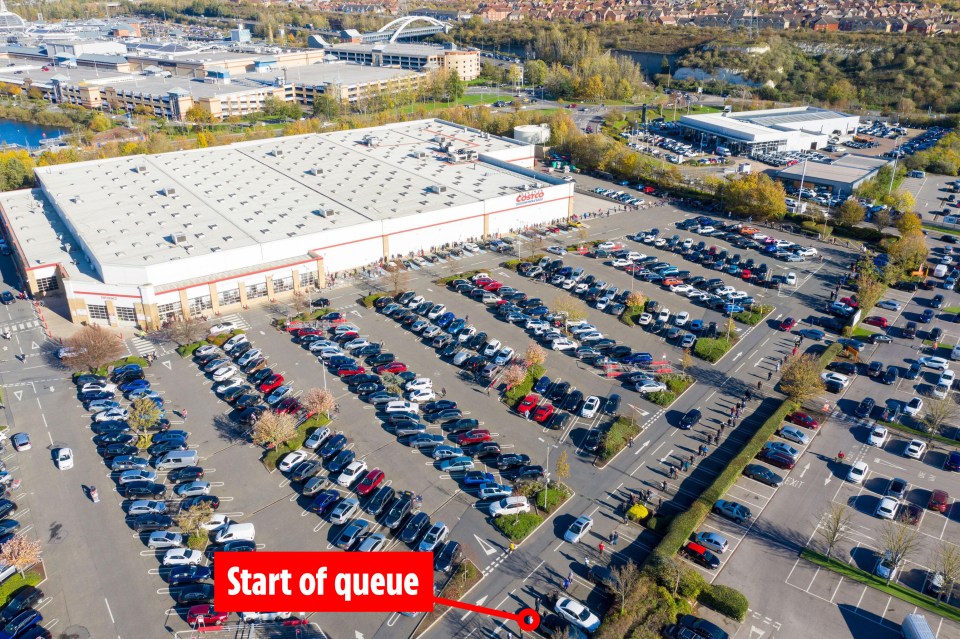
x: 769, y: 375
x: 443, y: 392
x: 183, y: 413
x: 601, y: 547
x: 630, y: 443
x: 614, y: 537
x: 759, y: 385
x: 566, y: 584
x: 586, y: 562
x: 778, y: 366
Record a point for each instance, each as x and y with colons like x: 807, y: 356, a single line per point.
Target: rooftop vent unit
x: 325, y: 212
x: 178, y: 238
x: 436, y: 188
x: 277, y: 153
x: 315, y: 171
x: 419, y: 154
x: 169, y: 191
x: 142, y: 168
x: 371, y: 140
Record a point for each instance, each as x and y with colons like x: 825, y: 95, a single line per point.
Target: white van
x: 178, y: 459
x: 955, y: 353
x: 940, y: 270
x: 235, y: 532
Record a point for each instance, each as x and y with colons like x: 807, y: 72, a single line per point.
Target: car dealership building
x: 132, y: 241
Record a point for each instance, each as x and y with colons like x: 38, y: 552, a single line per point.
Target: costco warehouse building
x: 133, y: 241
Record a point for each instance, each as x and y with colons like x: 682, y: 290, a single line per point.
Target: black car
x: 333, y: 446
x: 152, y: 522
x: 484, y: 449
x: 113, y: 438
x: 846, y: 368
x: 305, y: 470
x: 890, y: 376
x: 865, y: 407
x: 343, y: 458
x: 512, y: 460
x: 239, y: 545
x: 164, y: 447
x: 25, y: 598
x: 247, y: 401
x: 194, y: 594
x: 460, y: 425
x: 324, y: 302
x: 363, y: 378
x: 612, y: 405
x: 558, y: 420
x: 94, y: 395
x: 398, y: 511
x: 449, y: 557
x: 128, y: 376
x: 914, y: 371
x: 88, y: 378
x: 529, y: 472
x: 250, y: 414
x: 559, y: 391
x: 261, y: 375
x: 138, y: 489
x: 937, y: 301
x: 414, y: 528
x: 379, y: 500
x: 208, y: 500
x: 188, y: 473
x: 572, y: 401
x: 880, y: 338
x: 115, y: 450
x: 691, y: 419
x: 180, y: 575
x: 763, y: 475
x: 875, y: 368
x: 7, y: 298
x: 592, y: 440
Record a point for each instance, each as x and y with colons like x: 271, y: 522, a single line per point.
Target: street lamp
x: 546, y: 474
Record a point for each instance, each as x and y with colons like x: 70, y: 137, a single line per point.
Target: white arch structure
x: 403, y: 23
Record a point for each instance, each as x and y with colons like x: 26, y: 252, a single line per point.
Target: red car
x: 788, y: 324
x: 493, y: 286
x: 473, y: 437
x: 392, y: 367
x: 746, y: 274
x: 270, y: 383
x: 876, y: 320
x: 802, y: 419
x: 303, y: 332
x: 938, y: 501
x: 543, y: 413
x: 335, y: 318
x: 483, y: 281
x: 849, y: 301
x: 287, y: 405
x: 527, y: 403
x: 347, y: 372
x: 370, y: 481
x: 204, y: 613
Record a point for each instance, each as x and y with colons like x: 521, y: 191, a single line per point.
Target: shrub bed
x: 549, y: 499
x: 12, y: 585
x: 514, y: 264
x: 104, y: 370
x: 186, y: 350
x: 218, y: 340
x: 271, y: 457
x: 712, y: 349
x: 754, y: 315
x: 466, y: 275
x: 517, y: 527
x: 370, y: 299
x: 308, y: 316
x: 662, y: 398
x: 725, y: 600
x: 521, y: 390
x: 198, y: 541
x: 617, y: 436
x: 629, y: 316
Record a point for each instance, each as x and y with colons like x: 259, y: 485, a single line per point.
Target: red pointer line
x: 527, y: 618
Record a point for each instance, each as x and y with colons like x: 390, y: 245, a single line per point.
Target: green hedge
x: 198, y: 541
x: 370, y: 299
x: 517, y: 527
x: 12, y: 585
x: 549, y: 499
x: 725, y: 600
x: 754, y: 315
x: 521, y: 390
x: 676, y: 384
x: 466, y: 275
x: 629, y: 315
x: 186, y: 350
x: 712, y: 349
x: 617, y: 436
x: 123, y: 361
x: 271, y: 457
x: 514, y: 264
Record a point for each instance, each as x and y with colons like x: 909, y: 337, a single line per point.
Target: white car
x: 794, y: 434
x: 651, y: 386
x: 344, y: 511
x: 466, y: 334
x: 621, y: 263
x: 606, y: 246
x: 182, y: 557
x: 581, y: 327
x: 878, y: 436
x: 806, y: 251
x: 663, y: 315
x: 98, y: 386
x: 236, y: 340
x: 436, y: 311
x: 858, y: 472
x: 112, y: 414
x: 915, y: 449
x: 225, y: 372
x: 577, y: 614
x: 260, y: 617
x: 681, y: 318
x: 887, y: 508
x: 431, y: 331
x: 345, y: 328
x: 510, y: 506
x: 328, y: 353
x: 216, y: 522
x: 590, y: 407
x: 64, y: 458
x: 223, y: 327
x: 128, y: 476
x: 578, y: 529
x: 913, y: 407
x: 644, y: 319
x: 947, y: 378
x: 420, y: 383
x: 680, y: 289
x: 422, y: 395
x: 838, y: 378
x: 249, y: 356
x: 400, y: 406
x: 290, y: 460
x: 220, y: 389
x: 563, y: 344
x: 203, y: 350
x: 355, y: 344
x: 316, y: 438
x: 351, y: 473
x: 936, y: 363
x: 791, y: 279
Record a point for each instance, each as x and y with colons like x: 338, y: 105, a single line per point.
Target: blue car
x: 445, y: 320
x: 456, y: 326
x: 638, y: 358
x: 136, y: 384
x: 323, y: 502
x: 696, y: 326
x: 143, y: 392
x: 732, y: 308
x: 538, y: 311
x: 189, y: 575
x: 19, y: 625
x: 926, y: 316
x: 477, y: 478
x: 542, y: 385
x: 333, y: 446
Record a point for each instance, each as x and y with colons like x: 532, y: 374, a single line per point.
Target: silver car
x: 372, y: 543
x: 161, y: 540
x: 128, y: 476
x: 343, y: 511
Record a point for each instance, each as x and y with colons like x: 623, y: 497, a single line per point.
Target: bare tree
x: 535, y: 355
x: 191, y: 522
x: 563, y: 466
x: 801, y: 378
x: 900, y: 541
x: 21, y: 552
x: 92, y: 347
x: 300, y: 302
x: 144, y: 415
x: 686, y: 361
x: 318, y: 400
x: 273, y: 429
x: 513, y: 375
x: 881, y: 220
x: 397, y: 276
x: 583, y: 233
x: 574, y: 309
x: 938, y: 412
x: 946, y: 561
x: 186, y: 330
x: 834, y: 525
x: 393, y: 383
x: 625, y: 577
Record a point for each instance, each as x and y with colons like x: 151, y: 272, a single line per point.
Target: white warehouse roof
x: 770, y: 124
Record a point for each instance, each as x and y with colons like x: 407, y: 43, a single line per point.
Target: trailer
x: 915, y: 626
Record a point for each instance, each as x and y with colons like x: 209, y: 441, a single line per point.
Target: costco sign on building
x: 530, y: 197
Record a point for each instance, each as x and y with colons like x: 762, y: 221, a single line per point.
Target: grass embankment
x: 712, y: 349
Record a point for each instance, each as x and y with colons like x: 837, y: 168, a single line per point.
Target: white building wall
x: 434, y: 228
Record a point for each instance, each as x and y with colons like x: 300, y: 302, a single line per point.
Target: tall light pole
x: 546, y: 474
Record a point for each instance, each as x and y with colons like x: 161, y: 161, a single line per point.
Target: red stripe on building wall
x: 136, y: 297
x: 233, y: 277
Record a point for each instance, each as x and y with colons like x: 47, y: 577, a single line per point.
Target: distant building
x: 841, y: 176
x: 410, y: 56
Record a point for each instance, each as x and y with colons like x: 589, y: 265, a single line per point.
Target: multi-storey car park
x: 135, y: 240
